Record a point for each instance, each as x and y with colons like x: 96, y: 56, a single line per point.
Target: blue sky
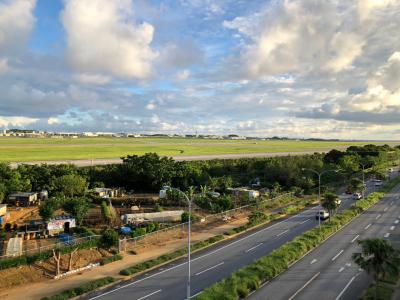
x: 266, y: 68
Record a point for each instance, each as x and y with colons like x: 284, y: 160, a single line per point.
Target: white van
x: 322, y: 214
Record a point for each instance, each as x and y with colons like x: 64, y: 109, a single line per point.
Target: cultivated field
x: 41, y: 149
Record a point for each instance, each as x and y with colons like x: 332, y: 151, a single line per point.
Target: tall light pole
x: 363, y: 174
x: 319, y: 174
x: 189, y: 201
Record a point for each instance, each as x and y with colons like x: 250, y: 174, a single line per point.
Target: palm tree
x: 378, y: 258
x: 330, y: 203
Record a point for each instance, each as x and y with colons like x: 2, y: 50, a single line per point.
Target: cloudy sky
x: 308, y: 68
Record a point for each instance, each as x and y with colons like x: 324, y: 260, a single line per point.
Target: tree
x: 71, y: 185
x: 48, y: 208
x: 356, y: 184
x: 77, y: 207
x: 330, y: 203
x: 109, y: 238
x: 378, y: 258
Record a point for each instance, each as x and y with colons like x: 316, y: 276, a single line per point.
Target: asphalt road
x: 328, y: 272
x: 215, y: 263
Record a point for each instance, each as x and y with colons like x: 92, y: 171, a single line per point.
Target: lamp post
x: 363, y: 174
x: 319, y: 174
x: 189, y: 201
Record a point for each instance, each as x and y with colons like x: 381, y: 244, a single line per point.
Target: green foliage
x: 77, y: 207
x: 109, y: 238
x: 105, y: 211
x: 110, y: 259
x: 82, y: 289
x: 257, y: 217
x: 185, y: 217
x: 330, y: 203
x: 48, y: 208
x: 70, y: 185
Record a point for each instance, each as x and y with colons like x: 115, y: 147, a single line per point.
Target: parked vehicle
x: 338, y: 201
x: 378, y: 182
x: 391, y: 170
x: 322, y: 214
x: 357, y: 196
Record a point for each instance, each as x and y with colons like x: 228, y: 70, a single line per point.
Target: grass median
x: 240, y: 283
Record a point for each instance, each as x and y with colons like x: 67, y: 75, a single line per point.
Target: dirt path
x: 50, y: 287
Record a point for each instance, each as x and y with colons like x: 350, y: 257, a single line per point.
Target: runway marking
x: 313, y: 261
x: 396, y: 222
x: 304, y: 286
x: 392, y: 227
x: 387, y: 235
x: 337, y: 255
x: 385, y: 209
x: 356, y: 237
x: 283, y: 232
x: 305, y: 221
x: 213, y: 267
x: 345, y: 288
x: 144, y: 297
x: 341, y: 269
x: 377, y: 217
x: 366, y: 227
x: 252, y: 248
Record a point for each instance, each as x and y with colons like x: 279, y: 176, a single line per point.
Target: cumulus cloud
x: 6, y: 122
x: 102, y: 37
x: 92, y: 78
x: 16, y: 23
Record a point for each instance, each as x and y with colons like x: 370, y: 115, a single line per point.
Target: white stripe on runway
x: 213, y: 267
x: 252, y: 248
x: 304, y: 286
x: 144, y: 297
x: 337, y: 255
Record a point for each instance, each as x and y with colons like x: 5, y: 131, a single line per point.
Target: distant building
x: 244, y: 193
x: 60, y: 224
x: 107, y: 192
x: 164, y: 216
x: 23, y: 199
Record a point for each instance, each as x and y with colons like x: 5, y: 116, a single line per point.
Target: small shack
x: 164, y: 216
x: 107, y: 192
x: 60, y: 224
x: 23, y: 199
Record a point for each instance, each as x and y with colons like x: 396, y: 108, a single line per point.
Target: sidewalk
x: 51, y: 286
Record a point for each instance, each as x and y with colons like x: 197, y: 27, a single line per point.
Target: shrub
x: 109, y: 238
x: 110, y: 259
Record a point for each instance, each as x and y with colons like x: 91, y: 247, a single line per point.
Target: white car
x: 322, y: 214
x: 378, y: 182
x: 391, y: 170
x: 357, y: 196
x: 338, y: 201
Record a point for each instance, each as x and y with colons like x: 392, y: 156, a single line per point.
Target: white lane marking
x: 265, y: 283
x: 345, y: 288
x: 396, y: 222
x: 147, y: 296
x: 205, y: 255
x: 195, y: 295
x: 356, y: 237
x: 348, y: 264
x: 313, y: 261
x: 213, y: 267
x: 385, y: 209
x: 391, y: 203
x: 366, y: 227
x: 392, y: 227
x: 341, y: 269
x: 252, y: 248
x: 377, y: 217
x: 305, y: 221
x: 283, y: 232
x: 304, y: 286
x: 387, y: 235
x: 337, y: 255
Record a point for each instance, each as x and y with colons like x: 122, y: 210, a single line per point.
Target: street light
x: 363, y: 174
x: 319, y: 174
x: 189, y: 221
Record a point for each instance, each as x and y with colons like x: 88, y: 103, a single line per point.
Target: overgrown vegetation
x: 83, y: 289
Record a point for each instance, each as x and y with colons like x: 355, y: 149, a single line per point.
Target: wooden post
x: 57, y: 258
x: 70, y: 259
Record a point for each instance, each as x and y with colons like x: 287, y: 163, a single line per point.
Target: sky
x: 301, y: 69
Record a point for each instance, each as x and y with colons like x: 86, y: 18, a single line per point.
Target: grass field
x: 33, y: 149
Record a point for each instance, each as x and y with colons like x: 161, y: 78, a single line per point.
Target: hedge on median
x: 241, y: 283
x: 80, y: 290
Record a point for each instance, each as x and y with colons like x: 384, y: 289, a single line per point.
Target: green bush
x: 84, y: 288
x: 110, y: 259
x: 109, y: 238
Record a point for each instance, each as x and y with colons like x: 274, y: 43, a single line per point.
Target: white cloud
x: 184, y: 74
x: 92, y: 78
x: 103, y: 38
x: 16, y: 23
x: 52, y: 121
x: 151, y: 106
x: 6, y: 122
x: 4, y: 67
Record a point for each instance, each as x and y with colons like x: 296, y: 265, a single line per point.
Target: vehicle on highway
x: 378, y: 182
x: 391, y: 170
x: 322, y: 214
x: 357, y: 196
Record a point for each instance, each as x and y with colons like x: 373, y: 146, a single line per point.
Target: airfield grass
x: 14, y: 149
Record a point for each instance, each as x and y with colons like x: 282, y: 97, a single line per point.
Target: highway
x: 328, y: 272
x: 215, y: 263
